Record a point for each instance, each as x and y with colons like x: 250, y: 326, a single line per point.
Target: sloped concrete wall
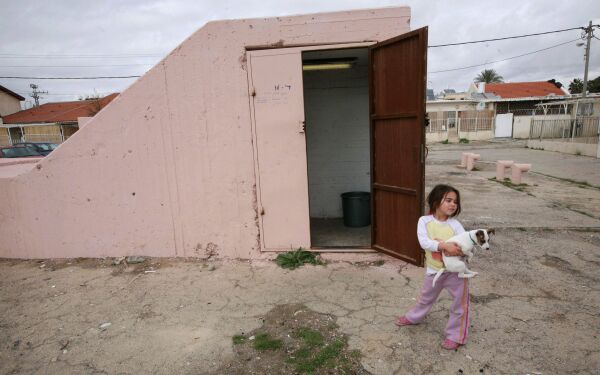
x: 167, y: 168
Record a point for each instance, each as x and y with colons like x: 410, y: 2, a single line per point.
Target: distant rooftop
x: 484, y: 96
x: 9, y: 92
x: 523, y: 89
x: 59, y: 111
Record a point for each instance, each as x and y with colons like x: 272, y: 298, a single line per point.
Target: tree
x: 489, y: 76
x: 576, y: 85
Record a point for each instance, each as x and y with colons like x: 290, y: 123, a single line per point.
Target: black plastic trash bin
x: 357, y: 208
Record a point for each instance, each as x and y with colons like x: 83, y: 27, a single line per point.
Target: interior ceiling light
x: 329, y: 64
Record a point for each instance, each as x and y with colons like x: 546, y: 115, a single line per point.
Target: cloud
x: 137, y: 34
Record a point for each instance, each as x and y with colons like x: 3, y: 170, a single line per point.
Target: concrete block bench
x: 517, y: 171
x: 467, y: 160
x: 471, y: 158
x: 463, y: 159
x: 501, y: 166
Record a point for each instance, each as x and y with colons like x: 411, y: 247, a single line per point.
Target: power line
x: 115, y: 77
x: 509, y: 58
x: 437, y: 71
x: 150, y: 55
x: 509, y: 37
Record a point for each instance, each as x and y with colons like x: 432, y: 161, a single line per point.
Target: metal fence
x: 583, y: 129
x: 43, y: 133
x: 531, y: 108
x: 437, y: 126
x: 46, y: 138
x: 475, y: 124
x: 4, y: 138
x: 469, y: 124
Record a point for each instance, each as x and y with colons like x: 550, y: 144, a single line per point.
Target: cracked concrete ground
x: 535, y: 305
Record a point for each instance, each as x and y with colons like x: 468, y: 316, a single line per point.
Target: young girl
x: 432, y: 231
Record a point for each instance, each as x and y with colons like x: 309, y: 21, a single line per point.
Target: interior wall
x: 337, y: 129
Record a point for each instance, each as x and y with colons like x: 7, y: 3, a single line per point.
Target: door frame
x: 317, y: 47
x: 270, y: 51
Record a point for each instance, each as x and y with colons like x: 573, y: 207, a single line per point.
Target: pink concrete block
x: 517, y: 171
x: 501, y: 166
x: 463, y: 159
x: 471, y: 158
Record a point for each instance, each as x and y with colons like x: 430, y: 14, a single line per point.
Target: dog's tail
x: 437, y: 276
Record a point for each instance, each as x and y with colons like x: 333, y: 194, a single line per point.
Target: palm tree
x: 576, y: 86
x: 489, y: 76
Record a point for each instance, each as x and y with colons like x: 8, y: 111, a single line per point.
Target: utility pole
x: 587, y: 59
x: 36, y: 97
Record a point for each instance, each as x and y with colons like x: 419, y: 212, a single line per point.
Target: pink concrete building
x: 238, y: 143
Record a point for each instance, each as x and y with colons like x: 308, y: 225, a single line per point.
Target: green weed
x: 311, y: 337
x: 238, y: 339
x: 327, y: 356
x: 264, y: 342
x: 509, y: 184
x: 294, y: 259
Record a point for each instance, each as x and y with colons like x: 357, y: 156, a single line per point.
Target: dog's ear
x: 480, y: 236
x: 491, y: 231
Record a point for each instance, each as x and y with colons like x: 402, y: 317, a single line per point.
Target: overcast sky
x: 63, y: 38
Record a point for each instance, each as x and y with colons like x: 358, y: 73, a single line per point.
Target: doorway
x: 16, y: 134
x: 388, y: 152
x: 336, y: 109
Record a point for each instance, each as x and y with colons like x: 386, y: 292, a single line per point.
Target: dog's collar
x: 474, y: 243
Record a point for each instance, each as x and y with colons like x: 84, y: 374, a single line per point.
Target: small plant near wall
x: 294, y: 259
x: 508, y: 183
x: 445, y: 142
x: 463, y: 140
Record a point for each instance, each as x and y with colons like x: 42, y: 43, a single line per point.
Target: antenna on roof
x: 35, y: 94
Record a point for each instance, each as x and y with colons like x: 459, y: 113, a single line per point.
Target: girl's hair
x: 437, y: 194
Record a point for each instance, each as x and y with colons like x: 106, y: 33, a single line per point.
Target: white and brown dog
x: 467, y: 242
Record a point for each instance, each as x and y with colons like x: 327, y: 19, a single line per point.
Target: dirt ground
x: 535, y: 306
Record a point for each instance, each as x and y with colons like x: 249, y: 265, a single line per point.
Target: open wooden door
x: 398, y: 76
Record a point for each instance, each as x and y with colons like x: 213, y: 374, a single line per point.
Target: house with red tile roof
x: 50, y: 122
x: 514, y: 90
x: 516, y: 103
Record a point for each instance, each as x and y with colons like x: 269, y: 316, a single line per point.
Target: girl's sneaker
x: 402, y: 321
x: 450, y: 345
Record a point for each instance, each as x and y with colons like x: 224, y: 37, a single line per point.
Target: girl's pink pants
x: 458, y: 324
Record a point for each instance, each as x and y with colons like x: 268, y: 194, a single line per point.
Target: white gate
x: 504, y: 124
